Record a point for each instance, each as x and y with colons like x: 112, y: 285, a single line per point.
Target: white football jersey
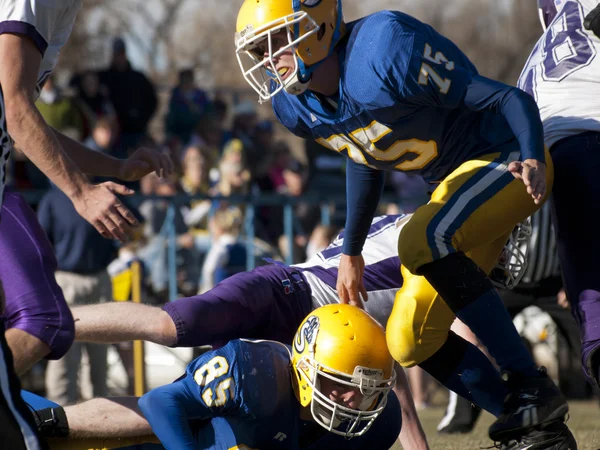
x: 48, y: 23
x: 563, y: 73
x: 382, y: 276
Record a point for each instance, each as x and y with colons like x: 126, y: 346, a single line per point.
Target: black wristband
x: 52, y: 422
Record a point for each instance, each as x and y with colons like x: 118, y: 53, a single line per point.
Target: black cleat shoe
x: 531, y: 402
x: 555, y: 436
x: 461, y: 416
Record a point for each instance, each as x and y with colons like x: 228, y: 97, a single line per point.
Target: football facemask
x: 256, y: 55
x: 512, y: 262
x: 339, y: 419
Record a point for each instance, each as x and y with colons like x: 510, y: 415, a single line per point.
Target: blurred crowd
x: 220, y: 148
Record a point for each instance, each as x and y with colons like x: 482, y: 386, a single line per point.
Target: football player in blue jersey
x: 339, y: 369
x: 391, y: 93
x: 330, y: 390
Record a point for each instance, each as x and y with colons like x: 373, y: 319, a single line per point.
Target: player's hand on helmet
x: 143, y: 162
x: 350, y: 280
x: 98, y: 204
x: 533, y: 174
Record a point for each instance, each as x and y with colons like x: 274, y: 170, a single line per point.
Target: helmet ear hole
x: 321, y: 32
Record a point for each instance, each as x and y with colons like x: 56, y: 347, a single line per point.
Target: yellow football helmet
x: 313, y: 28
x: 346, y: 345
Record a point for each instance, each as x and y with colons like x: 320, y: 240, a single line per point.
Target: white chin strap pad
x: 296, y: 87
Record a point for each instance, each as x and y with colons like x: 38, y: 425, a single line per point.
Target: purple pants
x: 34, y: 302
x: 576, y: 210
x: 269, y: 302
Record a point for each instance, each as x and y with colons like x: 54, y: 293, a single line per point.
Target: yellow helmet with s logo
x: 347, y: 346
x: 313, y: 28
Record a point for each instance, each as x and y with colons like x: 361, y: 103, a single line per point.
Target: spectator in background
x: 101, y: 138
x: 133, y: 97
x: 320, y: 238
x: 186, y: 105
x: 410, y: 189
x: 154, y: 254
x: 280, y: 162
x: 306, y: 216
x: 83, y: 256
x: 242, y: 134
x: 327, y: 169
x: 220, y: 108
x: 93, y: 101
x: 195, y: 182
x: 234, y: 176
x: 227, y: 255
x: 59, y: 111
x: 208, y: 136
x: 262, y: 138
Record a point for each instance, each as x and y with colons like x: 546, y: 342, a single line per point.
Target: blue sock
x: 473, y: 376
x: 489, y: 320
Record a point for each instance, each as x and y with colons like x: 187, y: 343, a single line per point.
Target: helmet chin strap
x: 296, y: 87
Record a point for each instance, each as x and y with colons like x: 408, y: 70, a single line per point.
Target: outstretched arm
x: 139, y: 164
x: 364, y: 186
x: 168, y: 409
x: 123, y: 321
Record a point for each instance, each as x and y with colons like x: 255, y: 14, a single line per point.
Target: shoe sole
x: 516, y: 433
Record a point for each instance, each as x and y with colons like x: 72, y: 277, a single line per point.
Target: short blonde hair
x: 229, y: 219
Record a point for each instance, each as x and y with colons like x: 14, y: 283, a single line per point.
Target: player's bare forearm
x: 107, y: 418
x: 36, y: 140
x: 89, y: 161
x: 412, y: 435
x: 123, y: 321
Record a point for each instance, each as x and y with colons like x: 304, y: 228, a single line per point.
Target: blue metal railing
x: 250, y: 202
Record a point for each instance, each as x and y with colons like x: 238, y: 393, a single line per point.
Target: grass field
x: 584, y: 422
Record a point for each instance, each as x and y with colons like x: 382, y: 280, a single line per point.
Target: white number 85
x: 210, y: 371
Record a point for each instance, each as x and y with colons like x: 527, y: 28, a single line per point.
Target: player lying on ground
x: 269, y: 301
x: 391, y: 93
x: 330, y: 390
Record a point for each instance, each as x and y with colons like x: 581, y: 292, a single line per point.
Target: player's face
x: 284, y: 62
x: 344, y: 395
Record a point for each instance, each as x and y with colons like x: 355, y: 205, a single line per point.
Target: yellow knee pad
x: 419, y: 323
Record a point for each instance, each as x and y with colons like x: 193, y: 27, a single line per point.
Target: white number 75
x: 427, y: 71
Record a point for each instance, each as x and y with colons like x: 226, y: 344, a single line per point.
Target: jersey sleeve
x: 427, y: 69
x: 209, y: 389
x: 214, y: 381
x: 32, y: 18
x: 364, y: 187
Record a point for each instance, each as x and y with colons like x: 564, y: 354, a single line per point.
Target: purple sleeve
x: 27, y: 29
